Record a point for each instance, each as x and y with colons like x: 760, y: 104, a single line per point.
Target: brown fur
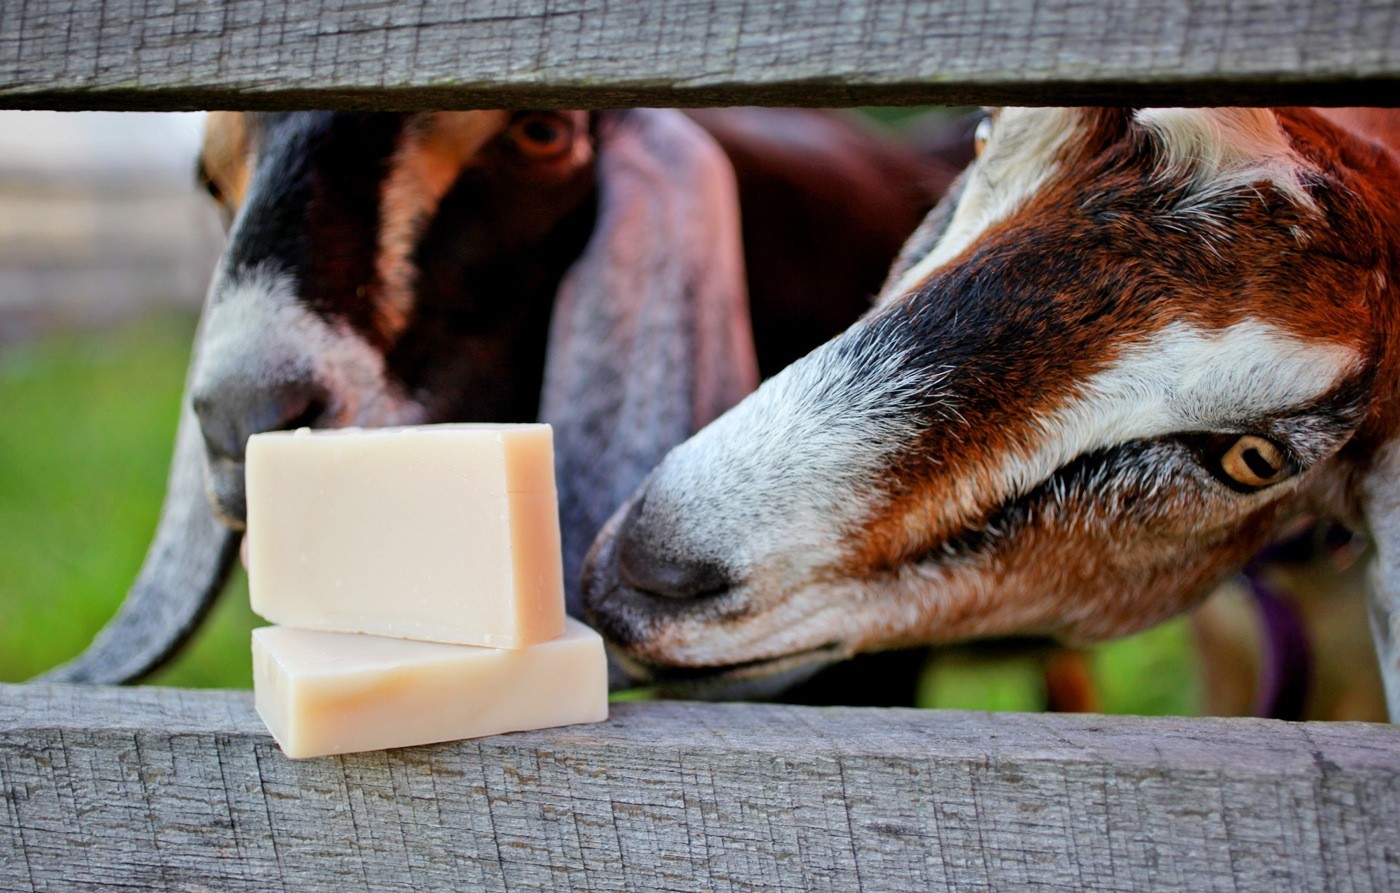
x: 1112, y: 249
x: 429, y: 160
x: 224, y: 160
x: 1076, y: 339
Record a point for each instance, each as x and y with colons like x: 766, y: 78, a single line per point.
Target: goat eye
x: 1248, y: 463
x: 542, y: 136
x: 207, y: 183
x: 981, y: 135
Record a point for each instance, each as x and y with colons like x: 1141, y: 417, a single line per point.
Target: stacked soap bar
x: 323, y: 693
x: 416, y: 575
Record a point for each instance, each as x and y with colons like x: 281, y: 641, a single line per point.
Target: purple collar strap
x: 1286, y: 667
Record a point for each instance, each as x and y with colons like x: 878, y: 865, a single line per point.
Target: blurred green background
x: 85, y: 437
x: 88, y: 406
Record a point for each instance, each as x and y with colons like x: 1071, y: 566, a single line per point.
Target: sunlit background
x: 106, y: 247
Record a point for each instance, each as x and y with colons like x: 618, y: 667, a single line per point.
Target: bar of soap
x: 448, y: 533
x: 325, y: 693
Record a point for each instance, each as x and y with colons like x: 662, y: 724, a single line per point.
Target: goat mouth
x: 224, y: 489
x: 762, y: 677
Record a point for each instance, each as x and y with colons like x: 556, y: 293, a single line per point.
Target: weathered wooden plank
x: 400, y: 54
x: 171, y: 790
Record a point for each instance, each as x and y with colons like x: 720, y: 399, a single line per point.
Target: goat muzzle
x: 642, y: 564
x: 229, y: 414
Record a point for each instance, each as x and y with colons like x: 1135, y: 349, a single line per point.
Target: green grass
x: 86, y: 426
x: 1153, y: 673
x: 961, y: 680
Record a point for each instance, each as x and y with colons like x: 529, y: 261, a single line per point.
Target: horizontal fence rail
x: 174, y: 790
x: 403, y: 54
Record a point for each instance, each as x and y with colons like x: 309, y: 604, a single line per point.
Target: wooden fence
x: 172, y: 790
x: 400, y: 54
x: 166, y: 789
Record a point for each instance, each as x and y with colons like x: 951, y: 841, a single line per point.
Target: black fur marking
x: 313, y: 209
x: 1096, y: 471
x: 489, y: 267
x: 1123, y: 468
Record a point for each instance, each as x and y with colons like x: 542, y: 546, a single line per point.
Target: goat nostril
x: 640, y: 567
x: 220, y: 436
x: 229, y: 419
x: 670, y: 578
x: 302, y: 413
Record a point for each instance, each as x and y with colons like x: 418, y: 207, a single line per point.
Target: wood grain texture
x: 172, y: 790
x: 401, y: 54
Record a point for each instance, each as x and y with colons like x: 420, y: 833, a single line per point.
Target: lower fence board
x: 177, y: 790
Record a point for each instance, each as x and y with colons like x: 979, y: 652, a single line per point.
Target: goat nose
x: 641, y: 566
x: 228, y: 416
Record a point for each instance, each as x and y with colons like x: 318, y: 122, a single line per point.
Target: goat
x: 582, y: 268
x: 1125, y: 348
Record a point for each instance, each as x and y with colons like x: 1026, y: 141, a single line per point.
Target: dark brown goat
x: 581, y: 268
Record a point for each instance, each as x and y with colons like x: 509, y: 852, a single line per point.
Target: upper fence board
x: 404, y: 54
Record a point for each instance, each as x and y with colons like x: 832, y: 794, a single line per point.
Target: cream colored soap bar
x: 448, y: 533
x: 324, y: 693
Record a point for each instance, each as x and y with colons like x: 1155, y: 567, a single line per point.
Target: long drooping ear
x: 186, y: 567
x: 650, y: 338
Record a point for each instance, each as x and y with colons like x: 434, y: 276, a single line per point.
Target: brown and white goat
x: 1124, y: 349
x: 582, y: 268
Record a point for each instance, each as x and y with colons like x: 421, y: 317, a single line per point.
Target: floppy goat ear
x: 650, y: 338
x: 185, y: 569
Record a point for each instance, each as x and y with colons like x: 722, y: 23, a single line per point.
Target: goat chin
x: 759, y: 680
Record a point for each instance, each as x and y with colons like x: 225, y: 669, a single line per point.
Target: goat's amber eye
x: 1252, y: 463
x: 542, y: 135
x: 981, y: 135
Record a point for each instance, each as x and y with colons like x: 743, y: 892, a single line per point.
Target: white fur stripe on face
x: 1017, y: 161
x: 791, y: 464
x: 431, y: 154
x: 796, y: 464
x: 1183, y: 379
x: 1212, y: 151
x: 1217, y: 151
